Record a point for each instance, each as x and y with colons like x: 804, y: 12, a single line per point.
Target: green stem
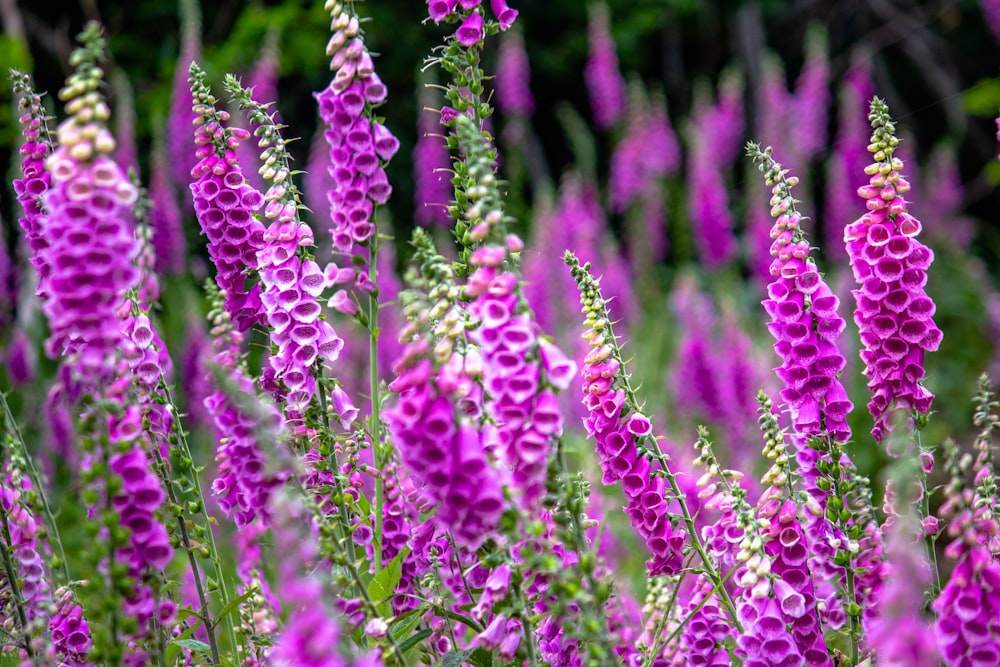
x: 376, y: 427
x: 55, y: 540
x: 206, y: 616
x: 6, y: 547
x: 185, y: 451
x: 855, y: 626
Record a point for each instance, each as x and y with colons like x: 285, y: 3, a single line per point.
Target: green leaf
x: 193, y: 645
x: 232, y: 606
x: 415, y: 639
x: 455, y: 658
x: 481, y: 658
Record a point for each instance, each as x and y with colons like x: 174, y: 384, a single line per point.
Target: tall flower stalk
x: 894, y: 313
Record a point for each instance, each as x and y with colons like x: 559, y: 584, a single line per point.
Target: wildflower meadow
x: 693, y: 367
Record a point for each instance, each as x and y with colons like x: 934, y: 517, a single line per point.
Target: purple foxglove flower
x: 604, y: 80
x: 35, y: 180
x: 894, y: 313
x: 70, y: 631
x: 471, y: 30
x: 225, y: 205
x: 360, y: 146
x: 20, y: 359
x: 23, y: 546
x: 439, y: 9
x: 165, y: 217
x: 431, y: 172
x: 182, y: 117
x: 505, y: 15
x: 513, y: 74
x: 706, y: 633
x: 89, y: 228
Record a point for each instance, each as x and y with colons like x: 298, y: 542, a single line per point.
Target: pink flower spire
x: 127, y: 153
x: 435, y: 421
x: 514, y: 96
x: 810, y: 105
x: 262, y: 81
x: 165, y: 215
x: 182, y: 116
x: 714, y: 136
x: 894, y: 313
x: 804, y: 319
x: 89, y: 226
x: 942, y: 182
x: 648, y: 151
x: 35, y: 181
x: 623, y: 435
x: 312, y: 636
x: 292, y: 280
x: 244, y: 482
x: 431, y: 167
x: 360, y: 145
x: 226, y: 205
x: 845, y: 169
x: 969, y: 604
x: 604, y: 80
x: 19, y: 533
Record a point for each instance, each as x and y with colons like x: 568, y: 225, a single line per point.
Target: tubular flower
x: 604, y: 80
x: 18, y: 522
x: 360, y: 145
x: 292, y: 280
x: 513, y: 73
x: 470, y: 15
x: 890, y: 266
x: 441, y: 444
x: 35, y: 181
x: 623, y: 435
x: 88, y: 225
x: 312, y: 635
x: 243, y: 484
x: 178, y: 126
x: 520, y: 374
x: 431, y: 169
x: 707, y: 630
x: 225, y: 205
x: 70, y: 631
x: 804, y: 319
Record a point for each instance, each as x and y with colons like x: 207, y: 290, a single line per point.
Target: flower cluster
x: 243, y: 484
x: 35, y: 180
x: 471, y: 30
x: 292, y: 280
x: 623, y: 434
x: 226, y: 205
x: 442, y: 447
x: 604, y: 80
x: 360, y: 145
x: 88, y: 227
x: 513, y: 72
x: 649, y: 150
x: 890, y: 265
x: 804, y: 318
x: 520, y: 373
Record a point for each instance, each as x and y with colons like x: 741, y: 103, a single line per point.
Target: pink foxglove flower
x: 624, y: 438
x: 181, y: 118
x: 431, y: 170
x: 165, y: 216
x: 894, y: 313
x: 359, y: 144
x: 89, y: 227
x: 35, y: 181
x: 226, y: 205
x: 604, y: 80
x: 513, y: 74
